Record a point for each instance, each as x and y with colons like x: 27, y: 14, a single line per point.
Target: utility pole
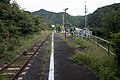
x: 64, y: 20
x: 85, y: 20
x: 85, y: 15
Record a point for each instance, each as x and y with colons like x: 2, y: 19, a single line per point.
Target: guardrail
x: 107, y: 45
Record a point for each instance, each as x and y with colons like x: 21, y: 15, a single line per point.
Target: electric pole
x: 85, y: 15
x: 85, y: 20
x: 64, y: 20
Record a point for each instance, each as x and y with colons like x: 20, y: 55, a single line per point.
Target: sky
x: 75, y: 7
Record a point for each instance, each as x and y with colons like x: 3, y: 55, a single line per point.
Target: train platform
x: 65, y: 69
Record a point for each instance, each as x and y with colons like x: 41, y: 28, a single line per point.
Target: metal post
x: 108, y: 47
x: 85, y: 20
x: 98, y: 42
x: 64, y: 21
x: 93, y: 38
x: 85, y: 16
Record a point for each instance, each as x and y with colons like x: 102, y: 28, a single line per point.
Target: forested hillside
x: 105, y: 20
x: 15, y: 25
x: 57, y: 18
x: 105, y: 23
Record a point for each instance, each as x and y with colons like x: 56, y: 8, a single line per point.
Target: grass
x: 75, y: 42
x: 2, y: 77
x: 105, y: 44
x: 80, y: 43
x: 102, y: 63
x: 25, y: 42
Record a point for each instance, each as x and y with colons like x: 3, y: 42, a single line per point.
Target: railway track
x: 17, y: 68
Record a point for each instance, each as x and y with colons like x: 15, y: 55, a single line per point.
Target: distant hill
x: 105, y: 20
x: 57, y: 18
x: 94, y: 19
x: 97, y: 17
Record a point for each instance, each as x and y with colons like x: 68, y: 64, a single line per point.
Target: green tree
x: 5, y: 1
x: 15, y: 24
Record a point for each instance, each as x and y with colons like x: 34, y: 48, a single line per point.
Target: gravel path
x: 66, y: 69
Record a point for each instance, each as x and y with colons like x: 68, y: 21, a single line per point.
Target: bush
x: 80, y: 58
x: 100, y: 62
x: 15, y: 25
x: 116, y: 41
x: 80, y: 43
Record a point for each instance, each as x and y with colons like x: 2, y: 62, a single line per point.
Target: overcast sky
x: 75, y: 7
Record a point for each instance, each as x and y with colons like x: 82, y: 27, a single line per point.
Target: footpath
x: 65, y: 69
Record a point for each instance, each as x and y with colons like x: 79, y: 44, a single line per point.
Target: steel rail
x: 25, y: 64
x: 6, y: 66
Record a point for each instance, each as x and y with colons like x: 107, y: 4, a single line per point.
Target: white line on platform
x: 51, y: 69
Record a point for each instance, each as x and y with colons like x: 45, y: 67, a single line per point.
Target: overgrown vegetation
x: 16, y: 25
x: 79, y: 43
x: 105, y: 23
x: 116, y: 41
x: 102, y: 63
x: 105, y: 20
